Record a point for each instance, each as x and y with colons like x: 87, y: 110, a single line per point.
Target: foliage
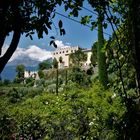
x: 41, y: 74
x: 101, y: 58
x: 60, y: 59
x: 79, y: 76
x: 20, y: 73
x: 77, y: 113
x: 30, y: 81
x: 18, y: 94
x: 46, y: 64
x: 93, y: 58
x: 30, y: 128
x: 25, y: 17
x: 72, y: 114
x: 6, y: 82
x: 7, y: 126
x: 122, y: 78
x: 78, y: 57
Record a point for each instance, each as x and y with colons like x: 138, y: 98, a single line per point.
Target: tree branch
x: 8, y: 54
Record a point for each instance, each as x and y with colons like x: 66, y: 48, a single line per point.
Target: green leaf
x: 46, y: 30
x: 52, y: 37
x: 60, y: 24
x: 66, y: 7
x: 62, y: 32
x: 59, y: 2
x: 105, y: 25
x: 27, y: 35
x: 53, y: 15
x: 31, y: 37
x: 54, y: 45
x: 94, y: 25
x: 49, y: 25
x: 51, y: 42
x: 75, y: 12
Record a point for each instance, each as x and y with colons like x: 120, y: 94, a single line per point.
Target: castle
x: 65, y: 53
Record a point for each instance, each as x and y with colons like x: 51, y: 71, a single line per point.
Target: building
x: 89, y: 53
x: 33, y: 74
x: 64, y: 54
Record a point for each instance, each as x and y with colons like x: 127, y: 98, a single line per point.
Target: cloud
x: 33, y: 51
x: 38, y: 53
x: 60, y: 44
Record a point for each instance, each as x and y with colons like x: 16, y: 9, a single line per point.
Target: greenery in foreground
x: 75, y: 113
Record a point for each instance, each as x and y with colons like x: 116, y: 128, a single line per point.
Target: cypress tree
x: 102, y: 68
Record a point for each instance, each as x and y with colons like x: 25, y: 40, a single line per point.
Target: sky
x: 76, y: 35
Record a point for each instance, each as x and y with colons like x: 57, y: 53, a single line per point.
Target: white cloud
x: 60, y: 44
x: 33, y: 51
x: 38, y: 53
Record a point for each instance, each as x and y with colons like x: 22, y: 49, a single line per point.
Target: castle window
x: 54, y: 53
x: 63, y: 52
x: 60, y: 52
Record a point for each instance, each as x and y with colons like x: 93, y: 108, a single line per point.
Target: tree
x: 55, y: 65
x: 103, y: 78
x: 20, y: 73
x: 133, y: 28
x: 46, y: 64
x: 26, y: 17
x: 93, y: 58
x: 61, y: 63
x: 78, y: 57
x: 60, y: 59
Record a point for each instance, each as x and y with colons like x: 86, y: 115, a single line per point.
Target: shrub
x: 7, y: 127
x: 75, y: 113
x: 30, y: 128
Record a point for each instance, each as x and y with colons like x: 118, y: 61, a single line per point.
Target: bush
x: 7, y: 127
x: 18, y: 94
x: 51, y: 88
x: 15, y: 95
x: 29, y: 81
x: 79, y: 76
x: 30, y: 129
x: 6, y: 82
x: 75, y: 113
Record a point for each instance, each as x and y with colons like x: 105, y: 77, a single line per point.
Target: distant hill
x: 9, y: 71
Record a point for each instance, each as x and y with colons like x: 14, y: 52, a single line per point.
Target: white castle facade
x: 65, y: 53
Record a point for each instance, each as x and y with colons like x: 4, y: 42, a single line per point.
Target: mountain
x: 30, y: 57
x: 25, y: 60
x: 9, y: 71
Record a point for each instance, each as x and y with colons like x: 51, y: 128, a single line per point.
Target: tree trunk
x: 134, y: 7
x: 66, y: 76
x: 57, y: 81
x: 102, y: 69
x: 8, y: 54
x: 2, y: 39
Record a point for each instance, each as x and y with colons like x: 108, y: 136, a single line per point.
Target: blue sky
x: 76, y: 34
